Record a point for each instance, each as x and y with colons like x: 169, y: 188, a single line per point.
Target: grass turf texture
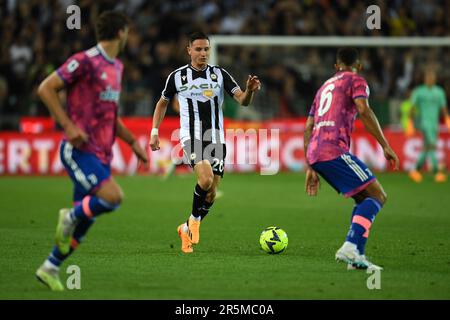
x: 134, y: 253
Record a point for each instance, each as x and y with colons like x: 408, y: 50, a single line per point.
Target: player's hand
x: 75, y: 135
x: 139, y: 152
x: 447, y: 122
x: 312, y: 182
x: 390, y: 156
x: 253, y: 83
x: 154, y: 142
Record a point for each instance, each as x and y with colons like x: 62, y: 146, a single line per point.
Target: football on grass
x: 273, y: 240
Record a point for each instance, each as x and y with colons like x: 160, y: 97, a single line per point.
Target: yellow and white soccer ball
x: 273, y: 240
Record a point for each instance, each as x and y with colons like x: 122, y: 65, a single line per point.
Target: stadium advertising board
x: 267, y: 147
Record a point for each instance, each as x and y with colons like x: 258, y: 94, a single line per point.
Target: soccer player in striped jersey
x: 200, y: 89
x: 327, y: 144
x: 91, y: 123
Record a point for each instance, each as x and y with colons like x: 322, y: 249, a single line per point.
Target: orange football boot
x: 415, y: 176
x: 186, y: 244
x: 194, y: 229
x: 440, y: 177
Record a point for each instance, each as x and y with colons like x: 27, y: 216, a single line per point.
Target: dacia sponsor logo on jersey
x: 110, y: 95
x: 200, y: 86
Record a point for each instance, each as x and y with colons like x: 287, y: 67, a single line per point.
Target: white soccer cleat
x: 50, y: 277
x: 348, y: 253
x: 363, y: 264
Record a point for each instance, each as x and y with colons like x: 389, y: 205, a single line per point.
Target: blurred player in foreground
x: 327, y: 144
x: 429, y: 102
x: 200, y: 89
x: 93, y: 82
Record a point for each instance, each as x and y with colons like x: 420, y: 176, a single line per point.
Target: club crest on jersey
x: 103, y: 76
x: 208, y: 93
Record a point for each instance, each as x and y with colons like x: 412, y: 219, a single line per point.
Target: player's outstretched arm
x: 48, y: 92
x: 123, y: 133
x: 158, y: 116
x: 307, y: 135
x: 373, y: 127
x: 312, y: 181
x: 246, y: 97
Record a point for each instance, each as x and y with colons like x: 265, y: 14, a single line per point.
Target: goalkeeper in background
x: 429, y: 102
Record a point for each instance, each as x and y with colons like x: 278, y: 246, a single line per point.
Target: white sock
x: 184, y: 228
x: 350, y: 245
x: 71, y: 216
x: 49, y: 265
x: 195, y: 218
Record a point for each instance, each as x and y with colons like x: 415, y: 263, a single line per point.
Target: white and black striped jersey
x: 200, y: 95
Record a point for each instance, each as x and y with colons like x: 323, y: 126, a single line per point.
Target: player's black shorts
x: 197, y: 150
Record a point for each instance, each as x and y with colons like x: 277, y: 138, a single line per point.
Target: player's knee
x: 381, y: 197
x: 205, y: 181
x: 114, y: 198
x: 118, y: 197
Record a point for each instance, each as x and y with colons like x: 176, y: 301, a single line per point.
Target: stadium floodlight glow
x: 307, y: 41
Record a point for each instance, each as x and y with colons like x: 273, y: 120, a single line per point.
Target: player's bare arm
x: 158, y: 116
x: 245, y: 97
x: 373, y: 127
x: 312, y: 181
x: 48, y: 92
x: 123, y: 133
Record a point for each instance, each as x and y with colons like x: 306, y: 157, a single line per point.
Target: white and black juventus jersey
x: 200, y: 95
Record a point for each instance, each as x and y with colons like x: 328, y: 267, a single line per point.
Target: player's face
x: 199, y: 52
x: 430, y: 78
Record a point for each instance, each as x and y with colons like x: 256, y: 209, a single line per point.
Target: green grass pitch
x: 134, y: 253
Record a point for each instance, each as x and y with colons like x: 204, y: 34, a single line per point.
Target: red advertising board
x: 265, y: 147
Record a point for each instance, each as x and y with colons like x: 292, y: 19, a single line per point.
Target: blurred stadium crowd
x: 35, y: 41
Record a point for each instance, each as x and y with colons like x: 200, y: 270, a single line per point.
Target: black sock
x: 198, y: 201
x: 205, y: 209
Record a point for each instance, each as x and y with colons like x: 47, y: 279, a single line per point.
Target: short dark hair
x: 347, y: 56
x: 197, y: 35
x: 109, y: 23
